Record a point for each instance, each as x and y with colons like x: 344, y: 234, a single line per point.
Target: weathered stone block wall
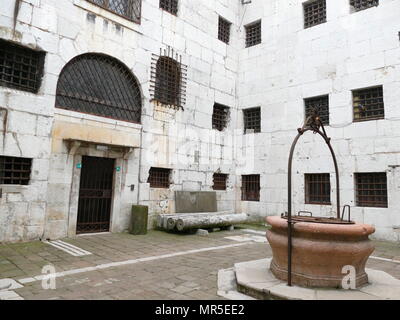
x: 172, y: 139
x: 350, y: 51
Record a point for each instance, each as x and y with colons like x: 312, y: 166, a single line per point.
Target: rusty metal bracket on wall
x: 313, y: 123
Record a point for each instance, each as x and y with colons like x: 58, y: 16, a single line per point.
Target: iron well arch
x: 101, y: 85
x: 313, y: 123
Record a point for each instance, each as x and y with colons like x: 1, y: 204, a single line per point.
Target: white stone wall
x: 350, y: 51
x: 181, y: 139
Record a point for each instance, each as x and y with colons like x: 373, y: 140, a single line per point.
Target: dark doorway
x: 95, y: 195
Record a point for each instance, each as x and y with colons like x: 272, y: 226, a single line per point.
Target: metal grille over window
x: 252, y: 120
x: 368, y: 104
x: 371, y: 190
x: 314, y: 13
x: 253, y: 34
x: 169, y: 5
x: 224, y: 30
x: 359, y: 5
x: 168, y: 79
x: 321, y: 104
x: 129, y: 9
x: 220, y: 180
x: 100, y: 85
x: 220, y: 117
x: 251, y: 188
x: 159, y: 178
x: 15, y: 170
x: 20, y: 68
x: 318, y: 188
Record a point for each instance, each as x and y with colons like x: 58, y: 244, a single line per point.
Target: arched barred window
x: 100, y: 85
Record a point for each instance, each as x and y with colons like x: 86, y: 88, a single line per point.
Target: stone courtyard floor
x: 156, y: 266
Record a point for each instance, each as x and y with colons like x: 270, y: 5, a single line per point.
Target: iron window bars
x: 318, y: 188
x: 371, y: 190
x: 100, y: 85
x: 14, y: 170
x: 220, y: 180
x: 368, y: 104
x: 168, y: 79
x: 253, y: 34
x: 159, y: 178
x: 321, y: 104
x: 20, y: 68
x: 224, y: 30
x: 314, y: 13
x: 220, y: 117
x: 359, y: 5
x: 95, y: 195
x: 251, y: 187
x: 169, y: 5
x: 252, y: 120
x: 128, y: 9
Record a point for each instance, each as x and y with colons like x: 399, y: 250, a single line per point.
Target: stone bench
x: 198, y: 210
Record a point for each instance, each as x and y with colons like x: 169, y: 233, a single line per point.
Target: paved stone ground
x: 190, y: 275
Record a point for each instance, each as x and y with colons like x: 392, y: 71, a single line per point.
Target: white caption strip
x: 68, y: 248
x: 128, y: 262
x: 255, y: 231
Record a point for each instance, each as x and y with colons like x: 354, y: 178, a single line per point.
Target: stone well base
x: 255, y: 279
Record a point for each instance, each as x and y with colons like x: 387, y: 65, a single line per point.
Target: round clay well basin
x: 320, y: 251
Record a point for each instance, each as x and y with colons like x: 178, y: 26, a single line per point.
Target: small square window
x: 359, y: 5
x: 252, y: 120
x: 220, y: 117
x: 224, y: 30
x: 253, y: 34
x: 15, y: 170
x: 251, y: 187
x: 368, y: 104
x: 322, y: 106
x: 220, y: 180
x: 169, y: 5
x: 318, y: 188
x: 314, y: 13
x: 20, y: 67
x: 371, y: 190
x: 129, y: 9
x: 159, y: 178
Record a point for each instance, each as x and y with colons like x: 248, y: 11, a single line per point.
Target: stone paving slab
x: 189, y: 276
x: 255, y: 279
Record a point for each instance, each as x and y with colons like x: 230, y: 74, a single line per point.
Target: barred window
x: 359, y: 5
x: 321, y: 104
x: 224, y: 30
x: 15, y: 170
x: 169, y: 5
x: 220, y: 117
x: 20, y: 67
x: 253, y: 34
x: 318, y: 188
x: 251, y: 187
x: 129, y: 9
x: 220, y: 180
x: 100, y: 85
x: 371, y: 190
x: 314, y: 13
x: 168, y: 79
x: 159, y: 178
x: 368, y: 104
x: 252, y: 120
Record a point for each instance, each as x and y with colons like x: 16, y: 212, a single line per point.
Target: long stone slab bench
x: 198, y: 210
x: 203, y: 220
